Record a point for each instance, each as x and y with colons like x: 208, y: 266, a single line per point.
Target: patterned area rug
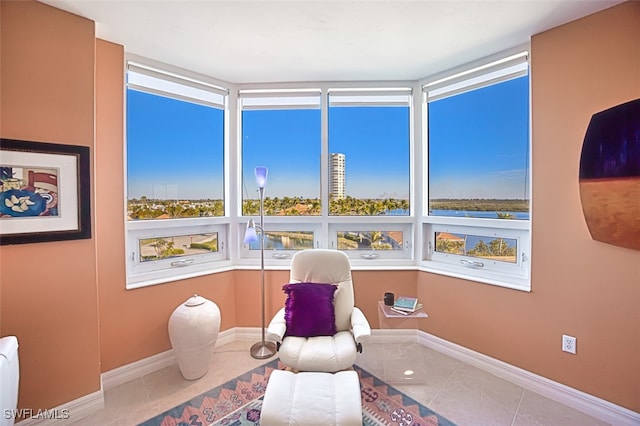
x: 238, y: 403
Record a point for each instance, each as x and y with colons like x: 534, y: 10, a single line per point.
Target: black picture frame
x: 66, y: 212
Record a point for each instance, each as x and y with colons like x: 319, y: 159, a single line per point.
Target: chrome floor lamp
x: 262, y: 349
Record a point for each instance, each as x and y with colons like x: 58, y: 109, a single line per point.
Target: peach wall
x: 580, y: 287
x: 138, y: 317
x: 368, y: 287
x: 49, y: 293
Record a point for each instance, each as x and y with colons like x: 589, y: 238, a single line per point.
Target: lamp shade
x: 250, y: 234
x: 261, y: 176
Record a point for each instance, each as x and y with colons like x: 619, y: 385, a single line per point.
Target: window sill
x: 514, y: 283
x: 155, y: 278
x: 491, y: 278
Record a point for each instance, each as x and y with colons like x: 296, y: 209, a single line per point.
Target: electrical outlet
x: 569, y: 344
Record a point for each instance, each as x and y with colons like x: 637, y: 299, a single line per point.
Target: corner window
x: 477, y: 220
x: 369, y: 152
x: 175, y: 139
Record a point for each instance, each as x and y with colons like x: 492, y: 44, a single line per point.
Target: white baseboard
x: 393, y: 335
x: 581, y: 401
x: 137, y: 369
x: 65, y: 413
x: 247, y: 333
x: 566, y: 395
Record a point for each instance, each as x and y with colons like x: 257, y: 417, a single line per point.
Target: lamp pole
x: 262, y: 349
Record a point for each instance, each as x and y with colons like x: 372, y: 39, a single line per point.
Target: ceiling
x: 246, y: 41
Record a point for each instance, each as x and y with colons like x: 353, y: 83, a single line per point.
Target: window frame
x: 501, y: 68
x: 416, y: 227
x: 323, y: 225
x: 374, y: 255
x: 141, y: 274
x: 345, y: 97
x: 277, y: 254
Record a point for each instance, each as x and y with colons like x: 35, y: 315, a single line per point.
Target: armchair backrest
x: 324, y: 266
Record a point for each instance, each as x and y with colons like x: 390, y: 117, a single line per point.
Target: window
x: 175, y: 174
x: 342, y: 174
x: 369, y: 152
x: 282, y: 240
x: 174, y: 246
x: 478, y: 154
x: 281, y: 131
x: 331, y: 153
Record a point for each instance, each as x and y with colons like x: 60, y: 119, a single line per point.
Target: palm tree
x: 375, y: 237
x: 502, y: 215
x: 315, y: 207
x: 174, y: 210
x: 481, y: 249
x: 160, y: 247
x: 372, y: 208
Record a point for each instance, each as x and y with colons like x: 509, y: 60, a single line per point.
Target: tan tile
x: 474, y: 397
x: 432, y: 370
x: 118, y: 402
x: 141, y: 414
x: 164, y: 382
x: 537, y: 410
x: 464, y: 394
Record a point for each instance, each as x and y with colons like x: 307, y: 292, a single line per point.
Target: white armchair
x: 326, y: 353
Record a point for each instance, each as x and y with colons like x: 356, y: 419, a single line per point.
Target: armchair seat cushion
x: 320, y: 353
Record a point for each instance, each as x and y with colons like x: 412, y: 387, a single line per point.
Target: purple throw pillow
x: 309, y: 309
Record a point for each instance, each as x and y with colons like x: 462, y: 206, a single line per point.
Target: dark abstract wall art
x: 610, y: 175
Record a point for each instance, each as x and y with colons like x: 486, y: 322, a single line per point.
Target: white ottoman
x: 312, y: 398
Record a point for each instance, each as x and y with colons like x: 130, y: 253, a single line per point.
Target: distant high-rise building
x: 337, y: 183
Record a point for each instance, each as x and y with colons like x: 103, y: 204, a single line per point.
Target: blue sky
x: 170, y: 151
x: 478, y: 147
x: 479, y: 143
x: 287, y: 142
x: 375, y: 141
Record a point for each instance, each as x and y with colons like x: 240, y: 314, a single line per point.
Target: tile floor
x: 458, y: 391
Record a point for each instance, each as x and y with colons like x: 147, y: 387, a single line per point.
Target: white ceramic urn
x: 193, y: 331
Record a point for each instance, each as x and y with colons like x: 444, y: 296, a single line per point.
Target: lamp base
x: 262, y: 350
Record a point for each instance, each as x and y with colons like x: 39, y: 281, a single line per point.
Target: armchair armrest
x: 360, y: 326
x: 277, y: 327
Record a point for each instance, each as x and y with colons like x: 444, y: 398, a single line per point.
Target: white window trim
x: 140, y: 274
x: 276, y: 256
x: 149, y: 76
x: 506, y: 66
x: 367, y: 256
x: 500, y: 273
x: 325, y: 225
x: 234, y: 223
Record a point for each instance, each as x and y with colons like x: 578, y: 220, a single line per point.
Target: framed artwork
x: 610, y: 175
x: 44, y: 192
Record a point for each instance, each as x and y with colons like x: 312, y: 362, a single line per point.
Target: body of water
x: 477, y: 214
x: 462, y: 213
